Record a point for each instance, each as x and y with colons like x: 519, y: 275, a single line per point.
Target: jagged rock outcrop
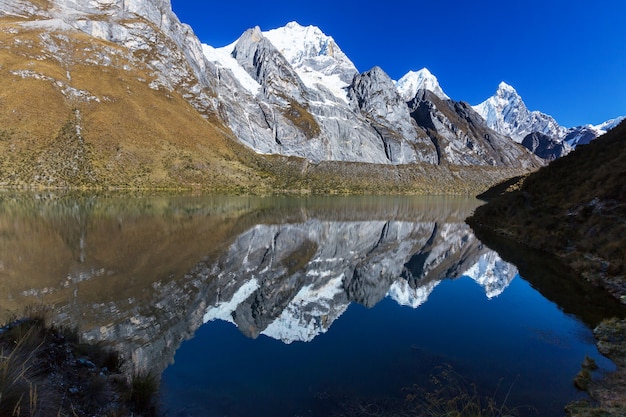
x: 302, y: 104
x: 374, y: 94
x: 462, y: 137
x: 545, y: 146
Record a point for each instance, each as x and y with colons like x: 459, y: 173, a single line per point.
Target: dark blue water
x: 518, y: 348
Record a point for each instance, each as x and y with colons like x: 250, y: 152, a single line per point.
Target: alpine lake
x: 311, y: 306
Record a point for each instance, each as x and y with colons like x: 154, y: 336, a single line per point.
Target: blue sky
x: 565, y: 58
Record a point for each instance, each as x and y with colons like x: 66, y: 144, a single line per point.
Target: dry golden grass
x: 137, y: 136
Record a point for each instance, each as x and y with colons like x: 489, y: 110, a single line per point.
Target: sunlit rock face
x: 462, y: 137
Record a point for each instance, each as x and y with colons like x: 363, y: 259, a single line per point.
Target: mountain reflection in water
x: 144, y: 273
x: 291, y: 281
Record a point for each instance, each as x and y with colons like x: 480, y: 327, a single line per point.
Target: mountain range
x: 120, y: 93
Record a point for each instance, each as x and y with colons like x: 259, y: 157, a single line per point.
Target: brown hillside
x: 131, y: 135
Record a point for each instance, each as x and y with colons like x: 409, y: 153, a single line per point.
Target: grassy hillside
x: 69, y: 121
x: 574, y: 208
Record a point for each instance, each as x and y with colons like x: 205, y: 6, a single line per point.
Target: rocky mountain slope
x: 120, y: 93
x: 307, y: 99
x: 108, y: 94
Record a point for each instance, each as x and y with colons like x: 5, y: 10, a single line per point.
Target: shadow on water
x: 555, y: 281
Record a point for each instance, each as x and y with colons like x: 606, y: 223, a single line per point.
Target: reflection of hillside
x: 144, y: 273
x: 115, y: 267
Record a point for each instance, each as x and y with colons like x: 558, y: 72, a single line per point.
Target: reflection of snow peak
x: 309, y: 314
x: 402, y: 293
x: 291, y: 281
x: 492, y: 273
x: 224, y: 310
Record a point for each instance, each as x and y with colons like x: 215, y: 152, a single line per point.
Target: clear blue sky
x: 566, y: 58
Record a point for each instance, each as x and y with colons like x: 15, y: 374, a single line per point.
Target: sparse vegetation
x: 300, y: 117
x: 446, y: 394
x: 46, y: 371
x: 575, y: 208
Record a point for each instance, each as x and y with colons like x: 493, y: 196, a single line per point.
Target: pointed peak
x: 505, y: 88
x: 300, y: 44
x: 293, y: 25
x: 413, y: 81
x: 254, y: 34
x: 424, y: 72
x: 294, y: 28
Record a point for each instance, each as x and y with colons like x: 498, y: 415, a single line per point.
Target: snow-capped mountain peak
x: 413, y: 81
x: 297, y: 43
x: 609, y: 124
x: 310, y: 51
x: 505, y: 89
x: 506, y: 113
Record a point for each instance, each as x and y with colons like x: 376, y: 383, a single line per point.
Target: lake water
x: 322, y: 306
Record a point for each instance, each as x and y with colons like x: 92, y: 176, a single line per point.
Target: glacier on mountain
x: 316, y: 57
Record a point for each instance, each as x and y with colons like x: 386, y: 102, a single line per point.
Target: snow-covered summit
x: 308, y: 46
x: 315, y: 57
x: 582, y: 135
x: 413, y: 81
x: 506, y: 113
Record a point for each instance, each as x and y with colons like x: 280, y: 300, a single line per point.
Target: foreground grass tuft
x: 47, y: 371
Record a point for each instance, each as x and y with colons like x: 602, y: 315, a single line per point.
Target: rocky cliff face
x: 462, y: 137
x: 546, y: 147
x: 309, y: 101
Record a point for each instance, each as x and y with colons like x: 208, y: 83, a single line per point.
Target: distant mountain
x: 582, y: 135
x: 307, y: 99
x: 506, y: 113
x: 413, y: 81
